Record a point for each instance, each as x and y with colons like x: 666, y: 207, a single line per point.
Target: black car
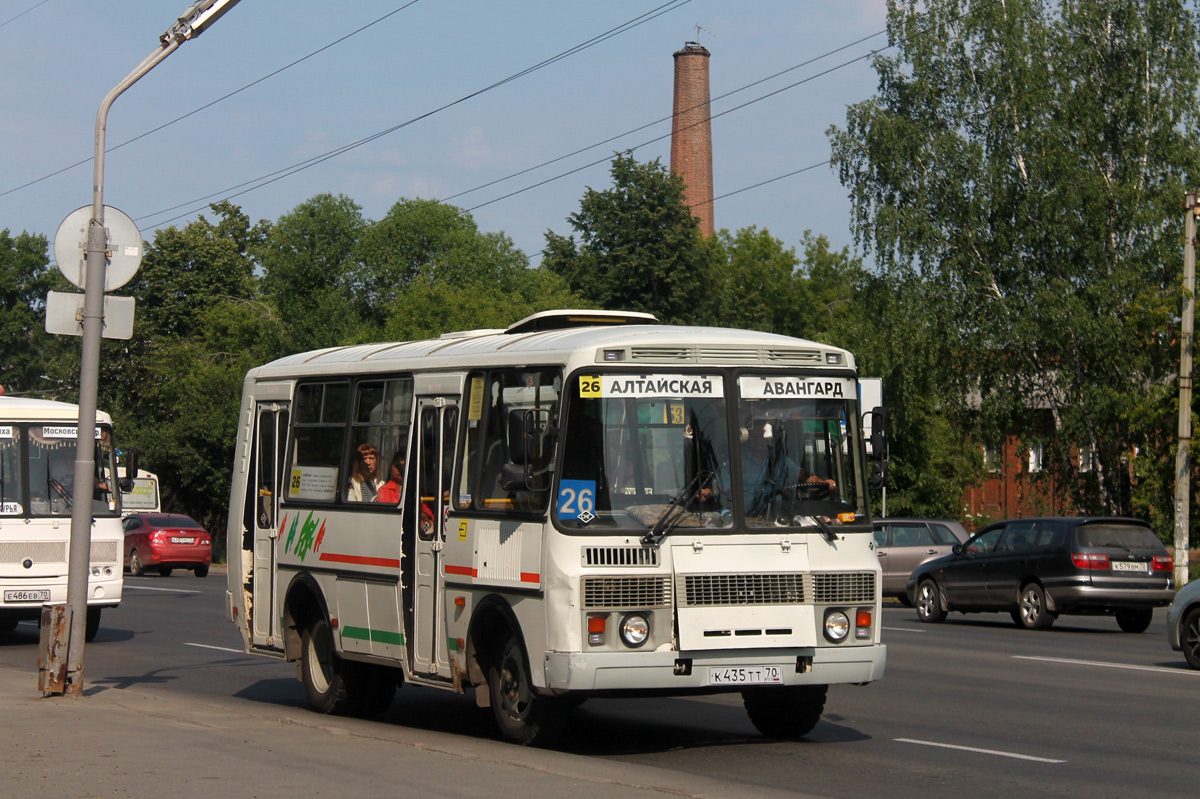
x: 1037, y: 569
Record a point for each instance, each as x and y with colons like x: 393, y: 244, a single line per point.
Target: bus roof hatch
x: 561, y: 319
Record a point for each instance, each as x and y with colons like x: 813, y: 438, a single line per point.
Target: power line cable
x: 222, y: 98
x: 23, y: 13
x: 272, y: 177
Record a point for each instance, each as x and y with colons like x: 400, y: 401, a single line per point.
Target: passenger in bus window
x: 364, y: 485
x: 390, y: 491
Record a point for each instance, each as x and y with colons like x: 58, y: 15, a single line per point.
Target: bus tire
x: 322, y: 671
x: 788, y: 712
x: 135, y: 563
x: 523, y: 717
x: 92, y: 626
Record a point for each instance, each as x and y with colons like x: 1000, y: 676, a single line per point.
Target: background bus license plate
x: 745, y: 675
x: 34, y: 595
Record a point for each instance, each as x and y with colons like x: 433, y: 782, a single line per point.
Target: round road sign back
x: 124, y: 247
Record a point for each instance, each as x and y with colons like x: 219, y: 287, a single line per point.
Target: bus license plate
x: 745, y: 675
x: 28, y: 595
x: 176, y: 539
x: 1130, y: 566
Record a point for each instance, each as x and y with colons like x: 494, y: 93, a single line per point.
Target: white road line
x: 980, y: 751
x: 1101, y: 664
x: 218, y: 648
x: 129, y: 587
x: 903, y: 630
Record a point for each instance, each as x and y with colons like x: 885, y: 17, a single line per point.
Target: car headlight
x: 634, y: 630
x: 837, y: 626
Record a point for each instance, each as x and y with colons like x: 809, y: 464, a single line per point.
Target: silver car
x: 904, y: 544
x: 1183, y: 623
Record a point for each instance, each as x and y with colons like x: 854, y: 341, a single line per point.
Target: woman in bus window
x: 364, y: 485
x: 390, y: 491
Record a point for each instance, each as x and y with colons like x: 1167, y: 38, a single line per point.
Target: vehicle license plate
x: 28, y: 595
x: 1130, y: 566
x: 745, y: 675
x: 179, y: 539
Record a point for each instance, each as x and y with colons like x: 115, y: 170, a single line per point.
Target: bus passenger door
x: 436, y: 434
x: 265, y: 489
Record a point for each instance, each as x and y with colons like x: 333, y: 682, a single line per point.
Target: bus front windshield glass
x: 51, y: 471
x: 797, y: 457
x: 640, y: 448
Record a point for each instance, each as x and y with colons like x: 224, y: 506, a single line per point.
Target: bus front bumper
x: 667, y: 671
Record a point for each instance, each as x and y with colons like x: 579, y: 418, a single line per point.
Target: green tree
x: 640, y: 248
x: 25, y: 347
x: 1025, y: 162
x: 309, y: 265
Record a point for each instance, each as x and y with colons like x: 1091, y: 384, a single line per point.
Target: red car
x: 166, y: 541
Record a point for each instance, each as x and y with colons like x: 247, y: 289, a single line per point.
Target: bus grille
x: 620, y: 556
x: 37, y: 551
x: 701, y: 590
x: 844, y: 587
x: 627, y: 592
x: 105, y: 552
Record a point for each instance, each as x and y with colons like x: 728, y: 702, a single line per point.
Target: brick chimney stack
x: 691, y: 133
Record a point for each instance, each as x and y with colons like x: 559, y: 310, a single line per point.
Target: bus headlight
x: 837, y: 626
x: 634, y: 630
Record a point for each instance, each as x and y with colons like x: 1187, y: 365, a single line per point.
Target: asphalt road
x: 972, y: 707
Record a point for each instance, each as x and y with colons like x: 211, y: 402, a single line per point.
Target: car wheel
x: 322, y: 671
x: 1189, y: 636
x: 1032, y: 613
x: 202, y: 571
x: 92, y: 627
x: 135, y: 563
x: 789, y: 712
x: 165, y: 571
x: 929, y: 602
x: 1135, y: 621
x: 522, y: 716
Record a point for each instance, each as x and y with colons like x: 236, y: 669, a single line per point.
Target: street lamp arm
x: 197, y: 19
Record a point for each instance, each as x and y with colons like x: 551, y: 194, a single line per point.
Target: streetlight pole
x: 1183, y: 469
x: 193, y: 22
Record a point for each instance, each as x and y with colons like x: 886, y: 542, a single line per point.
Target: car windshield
x: 656, y: 451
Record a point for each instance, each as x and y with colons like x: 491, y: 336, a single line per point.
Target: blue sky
x: 59, y: 58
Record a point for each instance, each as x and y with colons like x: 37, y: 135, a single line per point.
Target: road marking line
x: 1108, y: 665
x: 219, y: 648
x: 996, y: 752
x: 171, y: 590
x: 903, y: 630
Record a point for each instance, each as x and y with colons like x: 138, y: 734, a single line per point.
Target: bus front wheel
x: 523, y: 716
x: 321, y: 670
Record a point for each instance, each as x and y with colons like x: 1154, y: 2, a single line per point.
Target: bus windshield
x: 51, y: 470
x: 635, y: 447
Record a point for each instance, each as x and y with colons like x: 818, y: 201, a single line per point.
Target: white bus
x: 37, y: 474
x: 591, y: 505
x: 143, y: 494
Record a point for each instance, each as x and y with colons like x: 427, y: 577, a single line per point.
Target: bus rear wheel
x: 788, y: 712
x: 522, y: 716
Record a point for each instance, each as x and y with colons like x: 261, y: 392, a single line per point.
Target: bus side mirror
x: 879, y: 448
x: 131, y: 470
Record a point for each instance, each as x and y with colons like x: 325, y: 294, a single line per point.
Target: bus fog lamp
x: 635, y: 629
x: 837, y: 626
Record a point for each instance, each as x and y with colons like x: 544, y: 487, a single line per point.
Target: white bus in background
x: 591, y: 505
x: 37, y: 473
x: 143, y: 495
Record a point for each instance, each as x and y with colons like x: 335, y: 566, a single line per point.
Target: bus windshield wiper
x: 676, y: 509
x: 830, y: 535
